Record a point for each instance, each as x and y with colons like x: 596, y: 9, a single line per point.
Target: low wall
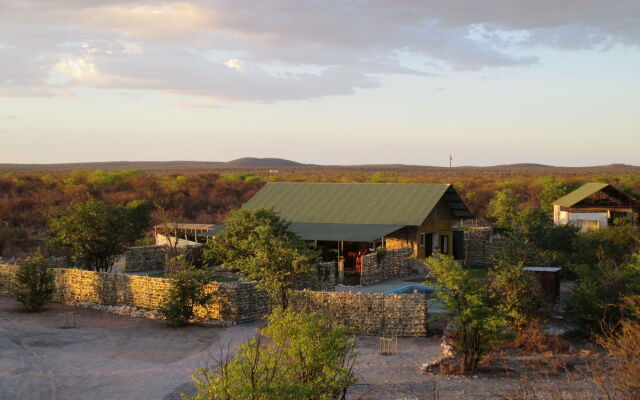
x: 235, y: 301
x: 145, y: 258
x: 373, y: 314
x: 480, y: 247
x: 395, y: 264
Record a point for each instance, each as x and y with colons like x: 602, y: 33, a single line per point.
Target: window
x: 422, y: 239
x: 444, y: 244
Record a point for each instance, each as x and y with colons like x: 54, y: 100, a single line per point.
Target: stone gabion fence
x: 369, y: 313
x: 145, y: 258
x: 480, y: 247
x: 234, y: 301
x: 395, y: 264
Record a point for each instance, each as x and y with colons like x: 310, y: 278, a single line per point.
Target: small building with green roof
x: 595, y: 206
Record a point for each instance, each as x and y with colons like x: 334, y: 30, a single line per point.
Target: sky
x: 321, y: 81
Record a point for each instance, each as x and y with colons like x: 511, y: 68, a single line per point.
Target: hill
x: 262, y: 162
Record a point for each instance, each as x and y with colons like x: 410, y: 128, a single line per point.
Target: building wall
x: 593, y: 220
x: 234, y: 301
x: 438, y: 223
x: 373, y: 314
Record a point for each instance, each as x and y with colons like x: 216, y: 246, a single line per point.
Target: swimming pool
x: 411, y: 289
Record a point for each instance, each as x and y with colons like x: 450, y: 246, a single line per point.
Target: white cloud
x: 7, y: 116
x: 164, y: 45
x: 235, y: 63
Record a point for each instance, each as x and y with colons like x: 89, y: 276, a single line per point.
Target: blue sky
x: 326, y: 82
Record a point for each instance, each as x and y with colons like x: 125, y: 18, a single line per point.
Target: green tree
x: 299, y: 356
x: 517, y: 294
x: 94, y: 232
x: 475, y: 322
x: 34, y: 283
x: 188, y: 290
x: 259, y: 244
x: 504, y: 209
x: 551, y: 191
x: 138, y: 215
x: 597, y: 300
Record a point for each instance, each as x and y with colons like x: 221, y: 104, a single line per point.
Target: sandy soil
x: 114, y: 357
x: 104, y: 357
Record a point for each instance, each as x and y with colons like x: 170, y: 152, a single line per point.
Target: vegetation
x: 27, y: 197
x: 503, y: 208
x: 34, y: 283
x: 298, y: 356
x: 619, y: 375
x: 598, y: 297
x: 475, y: 322
x: 517, y: 296
x: 259, y: 244
x: 95, y: 232
x: 188, y: 290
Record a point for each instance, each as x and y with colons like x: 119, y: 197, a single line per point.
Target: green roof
x: 342, y: 232
x: 356, y: 203
x: 580, y: 194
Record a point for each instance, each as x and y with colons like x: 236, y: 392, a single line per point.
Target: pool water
x: 411, y: 289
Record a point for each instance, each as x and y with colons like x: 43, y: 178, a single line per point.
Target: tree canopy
x: 259, y: 244
x: 95, y: 232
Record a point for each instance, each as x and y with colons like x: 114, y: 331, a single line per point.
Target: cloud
x: 271, y: 50
x: 7, y: 116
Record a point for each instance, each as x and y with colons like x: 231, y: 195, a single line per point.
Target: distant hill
x: 252, y: 163
x: 261, y: 162
x: 113, y: 166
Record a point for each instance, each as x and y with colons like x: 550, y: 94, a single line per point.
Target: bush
x: 188, y: 290
x: 518, y: 295
x: 34, y: 283
x: 598, y: 297
x: 476, y: 321
x: 302, y: 358
x: 619, y: 377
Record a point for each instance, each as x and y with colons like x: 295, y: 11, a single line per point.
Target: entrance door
x: 428, y: 245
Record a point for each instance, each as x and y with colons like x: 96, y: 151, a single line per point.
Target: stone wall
x: 235, y: 301
x: 145, y: 258
x: 480, y: 246
x: 373, y: 314
x: 405, y: 237
x: 395, y: 264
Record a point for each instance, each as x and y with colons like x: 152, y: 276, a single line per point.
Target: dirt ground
x: 104, y: 357
x: 115, y: 357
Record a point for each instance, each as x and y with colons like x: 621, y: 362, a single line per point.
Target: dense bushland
x: 26, y: 199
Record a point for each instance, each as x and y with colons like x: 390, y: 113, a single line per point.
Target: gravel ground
x: 116, y: 357
x: 105, y: 357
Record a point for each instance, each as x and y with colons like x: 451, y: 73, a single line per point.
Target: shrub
x: 302, y: 358
x: 34, y: 283
x: 619, y: 377
x: 188, y: 290
x: 476, y: 322
x: 518, y: 295
x: 598, y: 297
